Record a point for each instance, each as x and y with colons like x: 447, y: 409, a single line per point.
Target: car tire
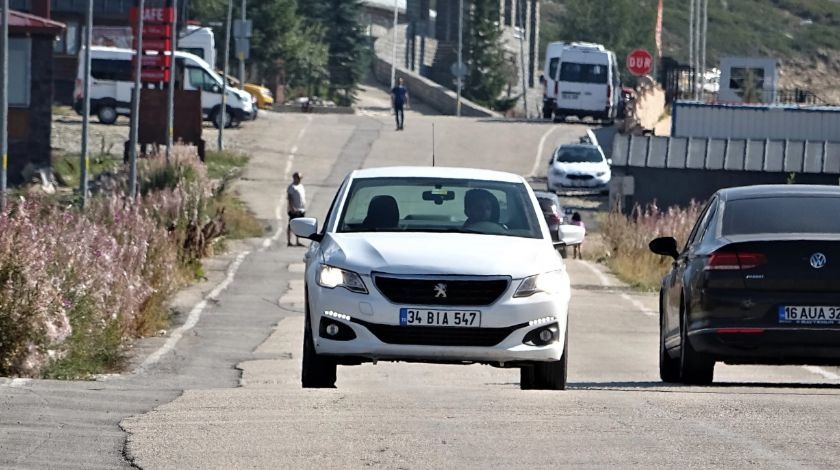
x: 317, y: 371
x: 107, y: 114
x: 217, y: 117
x: 695, y: 368
x: 669, y: 367
x: 546, y: 375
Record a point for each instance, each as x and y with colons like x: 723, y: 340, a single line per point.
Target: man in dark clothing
x: 399, y: 99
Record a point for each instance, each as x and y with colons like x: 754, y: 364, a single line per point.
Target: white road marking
x: 639, y: 305
x: 822, y: 372
x: 14, y: 383
x: 538, y: 158
x: 605, y: 281
x: 198, y: 309
x: 194, y: 316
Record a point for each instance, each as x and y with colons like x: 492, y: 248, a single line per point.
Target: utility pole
x: 460, y: 77
x: 170, y: 94
x: 394, y: 46
x: 242, y: 54
x: 135, y: 105
x: 223, y: 112
x: 703, y: 50
x: 521, y: 13
x: 84, y: 164
x: 4, y: 99
x: 691, y: 45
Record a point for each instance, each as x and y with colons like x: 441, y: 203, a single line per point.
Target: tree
x: 347, y: 43
x: 485, y: 54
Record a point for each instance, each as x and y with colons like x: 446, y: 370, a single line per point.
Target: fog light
x: 332, y: 329
x: 545, y: 335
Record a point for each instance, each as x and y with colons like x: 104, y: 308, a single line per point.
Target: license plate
x: 570, y: 96
x: 425, y: 317
x: 810, y: 314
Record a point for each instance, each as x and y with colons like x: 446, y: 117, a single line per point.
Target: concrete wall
x: 437, y: 96
x: 673, y: 171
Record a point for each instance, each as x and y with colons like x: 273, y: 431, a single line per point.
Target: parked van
x: 581, y: 79
x: 111, y: 85
x: 200, y: 41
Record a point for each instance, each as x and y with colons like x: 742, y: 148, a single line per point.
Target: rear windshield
x: 789, y: 214
x: 583, y: 73
x: 578, y: 155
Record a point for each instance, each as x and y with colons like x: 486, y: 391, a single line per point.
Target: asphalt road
x: 221, y: 388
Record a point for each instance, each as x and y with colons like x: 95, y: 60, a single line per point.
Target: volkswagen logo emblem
x: 818, y: 260
x: 440, y: 290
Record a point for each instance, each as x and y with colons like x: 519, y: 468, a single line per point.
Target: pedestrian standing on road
x: 577, y: 220
x: 399, y: 100
x: 296, y: 199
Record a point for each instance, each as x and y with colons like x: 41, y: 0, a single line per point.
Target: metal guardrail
x: 766, y: 155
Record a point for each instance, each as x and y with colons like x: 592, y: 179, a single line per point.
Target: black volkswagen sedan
x: 758, y: 282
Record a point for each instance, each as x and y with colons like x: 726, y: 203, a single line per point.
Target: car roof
x: 437, y: 172
x: 592, y: 146
x: 777, y: 190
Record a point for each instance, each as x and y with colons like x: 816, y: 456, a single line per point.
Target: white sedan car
x: 578, y: 166
x: 430, y: 264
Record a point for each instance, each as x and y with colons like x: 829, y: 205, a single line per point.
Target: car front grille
x: 441, y: 291
x: 438, y: 336
x: 580, y: 177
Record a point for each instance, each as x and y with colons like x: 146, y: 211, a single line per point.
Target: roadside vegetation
x: 626, y: 239
x: 78, y: 286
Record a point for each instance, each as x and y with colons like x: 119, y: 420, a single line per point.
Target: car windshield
x: 790, y: 214
x: 439, y: 205
x: 578, y: 155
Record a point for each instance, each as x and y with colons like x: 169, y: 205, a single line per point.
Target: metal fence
x: 790, y: 156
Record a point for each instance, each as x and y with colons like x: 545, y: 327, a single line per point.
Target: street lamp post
x: 84, y: 164
x: 223, y: 113
x: 135, y: 105
x: 4, y: 99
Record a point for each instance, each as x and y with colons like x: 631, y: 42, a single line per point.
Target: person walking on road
x: 577, y: 220
x: 399, y: 100
x: 296, y: 199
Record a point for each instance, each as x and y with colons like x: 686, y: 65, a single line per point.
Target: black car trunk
x: 789, y: 265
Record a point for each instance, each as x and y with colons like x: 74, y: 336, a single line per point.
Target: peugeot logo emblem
x: 818, y: 260
x: 440, y: 290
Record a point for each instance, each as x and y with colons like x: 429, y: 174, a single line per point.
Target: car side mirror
x: 216, y: 89
x: 305, y: 227
x: 665, y: 246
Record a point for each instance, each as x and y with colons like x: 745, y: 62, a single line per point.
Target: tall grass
x: 626, y: 239
x: 77, y: 286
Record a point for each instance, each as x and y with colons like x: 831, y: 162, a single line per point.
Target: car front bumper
x: 558, y: 182
x: 368, y: 315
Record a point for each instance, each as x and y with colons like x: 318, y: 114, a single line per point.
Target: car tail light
x: 733, y: 261
x: 556, y: 88
x: 609, y: 93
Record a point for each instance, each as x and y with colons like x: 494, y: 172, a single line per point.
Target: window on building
x: 67, y: 43
x: 20, y: 52
x: 508, y: 12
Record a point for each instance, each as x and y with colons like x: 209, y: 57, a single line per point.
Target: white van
x: 111, y: 85
x: 581, y: 79
x: 201, y: 41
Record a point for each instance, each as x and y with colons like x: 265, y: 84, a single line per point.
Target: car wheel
x: 546, y: 375
x: 107, y: 114
x: 669, y: 367
x: 318, y: 371
x: 219, y: 117
x: 695, y: 368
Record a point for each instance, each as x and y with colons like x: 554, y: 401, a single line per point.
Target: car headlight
x: 600, y: 173
x: 550, y: 283
x: 558, y: 171
x: 332, y: 277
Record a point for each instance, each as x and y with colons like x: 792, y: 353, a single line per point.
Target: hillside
x: 803, y: 34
